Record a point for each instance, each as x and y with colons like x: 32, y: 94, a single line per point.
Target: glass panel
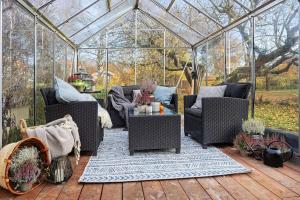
x: 84, y: 18
x: 201, y: 61
x: 121, y: 33
x: 60, y: 49
x: 38, y: 3
x: 70, y: 62
x: 224, y: 11
x: 150, y: 65
x: 216, y: 60
x: 170, y: 22
x: 121, y: 68
x: 44, y: 69
x: 60, y: 10
x: 104, y: 21
x: 164, y: 3
x: 115, y: 3
x: 97, y: 41
x: 193, y: 18
x: 178, y: 72
x: 17, y: 66
x: 239, y: 53
x: 150, y: 38
x: 276, y: 52
x: 174, y: 41
x: 93, y: 61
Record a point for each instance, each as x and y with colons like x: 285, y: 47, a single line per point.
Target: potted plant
x: 25, y: 168
x: 251, y: 141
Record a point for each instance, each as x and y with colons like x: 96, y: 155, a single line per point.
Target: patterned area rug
x: 113, y: 163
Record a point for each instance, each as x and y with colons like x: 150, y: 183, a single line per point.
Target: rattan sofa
x: 220, y: 119
x: 128, y: 93
x: 84, y: 114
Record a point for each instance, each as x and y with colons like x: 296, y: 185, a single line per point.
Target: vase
x: 149, y: 109
x: 142, y: 108
x: 155, y: 106
x: 24, y: 187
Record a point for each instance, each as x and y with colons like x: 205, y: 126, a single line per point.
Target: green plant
x: 253, y: 127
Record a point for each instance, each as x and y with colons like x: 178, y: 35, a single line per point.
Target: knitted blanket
x: 60, y: 136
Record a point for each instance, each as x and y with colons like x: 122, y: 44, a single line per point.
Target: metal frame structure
x: 1, y: 32
x: 203, y: 39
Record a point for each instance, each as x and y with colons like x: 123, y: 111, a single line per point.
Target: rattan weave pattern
x: 154, y: 132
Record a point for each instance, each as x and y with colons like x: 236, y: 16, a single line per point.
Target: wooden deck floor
x: 262, y: 183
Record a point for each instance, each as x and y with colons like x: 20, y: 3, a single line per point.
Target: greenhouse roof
x: 193, y: 21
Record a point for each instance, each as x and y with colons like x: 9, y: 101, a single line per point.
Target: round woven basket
x: 6, y: 154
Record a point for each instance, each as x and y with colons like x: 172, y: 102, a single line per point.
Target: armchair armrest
x: 189, y: 100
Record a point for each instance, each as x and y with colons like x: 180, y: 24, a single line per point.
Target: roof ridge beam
x: 170, y: 5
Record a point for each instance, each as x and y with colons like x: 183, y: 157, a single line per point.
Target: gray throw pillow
x: 210, y: 91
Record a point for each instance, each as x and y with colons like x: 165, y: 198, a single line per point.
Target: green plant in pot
x: 25, y: 168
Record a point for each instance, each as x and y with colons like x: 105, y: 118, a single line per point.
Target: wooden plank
x: 133, y: 191
x: 292, y: 166
x: 292, y: 198
x: 91, y: 191
x: 32, y: 194
x: 290, y: 172
x: 112, y: 191
x: 193, y: 189
x: 5, y: 195
x: 50, y: 192
x: 153, y: 190
x: 72, y: 188
x: 235, y: 189
x: 214, y: 189
x: 173, y: 190
x: 274, y: 174
x: 261, y: 178
x: 255, y: 188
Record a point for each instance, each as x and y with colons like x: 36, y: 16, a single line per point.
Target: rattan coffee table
x: 154, y: 131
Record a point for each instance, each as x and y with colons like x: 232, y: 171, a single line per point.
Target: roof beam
x: 101, y: 29
x: 242, y: 5
x: 264, y: 7
x: 170, y: 5
x: 181, y: 38
x: 159, y: 5
x: 30, y: 8
x: 45, y: 5
x: 76, y: 14
x: 136, y: 6
x: 204, y: 13
x: 108, y: 5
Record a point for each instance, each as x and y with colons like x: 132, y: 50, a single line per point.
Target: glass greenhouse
x: 181, y: 43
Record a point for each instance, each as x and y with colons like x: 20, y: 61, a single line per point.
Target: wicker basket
x: 6, y: 154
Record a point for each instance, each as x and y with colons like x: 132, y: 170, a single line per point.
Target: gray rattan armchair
x: 84, y: 114
x: 220, y: 119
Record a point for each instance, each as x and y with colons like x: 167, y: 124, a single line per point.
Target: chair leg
x: 204, y: 146
x: 186, y: 134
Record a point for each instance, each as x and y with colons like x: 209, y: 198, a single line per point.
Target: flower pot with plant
x: 251, y: 141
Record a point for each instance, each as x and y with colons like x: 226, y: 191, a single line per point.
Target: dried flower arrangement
x: 147, y: 88
x: 25, y: 168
